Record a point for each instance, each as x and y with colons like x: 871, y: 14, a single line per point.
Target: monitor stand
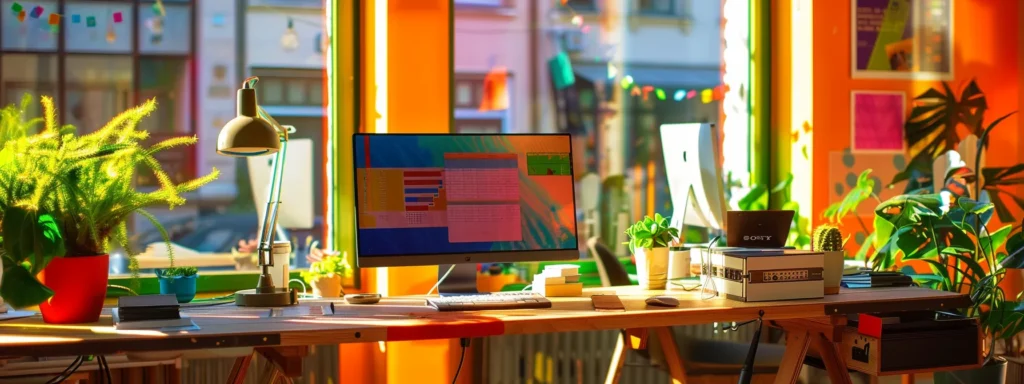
x: 462, y: 280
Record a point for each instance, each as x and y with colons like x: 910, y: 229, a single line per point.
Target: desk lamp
x: 254, y: 133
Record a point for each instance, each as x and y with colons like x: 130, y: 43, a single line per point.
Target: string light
x: 643, y: 91
x: 290, y: 39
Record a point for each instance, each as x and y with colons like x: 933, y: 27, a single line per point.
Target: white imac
x: 296, y: 211
x: 695, y: 177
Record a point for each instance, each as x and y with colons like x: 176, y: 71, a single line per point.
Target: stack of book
x: 877, y: 279
x: 150, y: 312
x: 558, y: 281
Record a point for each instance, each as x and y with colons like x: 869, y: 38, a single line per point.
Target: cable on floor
x: 462, y: 358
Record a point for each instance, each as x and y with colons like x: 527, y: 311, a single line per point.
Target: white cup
x: 678, y: 262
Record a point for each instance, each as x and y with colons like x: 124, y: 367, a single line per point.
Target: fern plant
x: 85, y: 184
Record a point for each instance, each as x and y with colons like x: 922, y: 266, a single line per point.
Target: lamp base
x: 280, y: 297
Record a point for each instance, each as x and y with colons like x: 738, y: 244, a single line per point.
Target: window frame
x: 650, y: 11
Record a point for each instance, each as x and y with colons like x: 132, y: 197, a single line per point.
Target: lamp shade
x: 246, y: 136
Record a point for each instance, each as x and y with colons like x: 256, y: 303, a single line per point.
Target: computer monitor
x: 425, y: 199
x: 695, y: 176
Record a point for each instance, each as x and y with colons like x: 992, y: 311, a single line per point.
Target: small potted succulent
x: 649, y: 241
x: 326, y: 275
x: 829, y: 240
x: 178, y: 281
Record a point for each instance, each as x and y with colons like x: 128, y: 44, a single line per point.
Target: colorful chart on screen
x: 449, y: 194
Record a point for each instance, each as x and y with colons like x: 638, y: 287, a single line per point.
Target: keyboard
x: 497, y: 300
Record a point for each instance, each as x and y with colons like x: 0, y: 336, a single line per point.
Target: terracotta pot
x: 79, y: 286
x: 652, y: 267
x: 833, y: 273
x: 327, y: 286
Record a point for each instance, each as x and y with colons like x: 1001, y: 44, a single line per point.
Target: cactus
x: 827, y: 238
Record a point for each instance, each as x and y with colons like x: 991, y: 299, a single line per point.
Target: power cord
x: 747, y: 372
x: 707, y: 270
x: 441, y: 280
x: 104, y: 368
x: 464, y: 342
x: 70, y: 370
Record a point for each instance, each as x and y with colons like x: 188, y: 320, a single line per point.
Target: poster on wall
x: 902, y: 39
x: 877, y: 121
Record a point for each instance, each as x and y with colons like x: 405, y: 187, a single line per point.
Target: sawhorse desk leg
x: 636, y: 338
x: 820, y: 334
x: 284, y: 363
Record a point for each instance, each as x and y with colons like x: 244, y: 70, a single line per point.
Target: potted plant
x: 67, y: 199
x: 950, y: 235
x: 325, y: 275
x: 649, y: 241
x: 828, y: 240
x: 178, y: 281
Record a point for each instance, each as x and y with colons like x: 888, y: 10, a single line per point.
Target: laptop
x: 758, y: 229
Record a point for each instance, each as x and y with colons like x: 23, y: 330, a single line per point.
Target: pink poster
x: 878, y: 121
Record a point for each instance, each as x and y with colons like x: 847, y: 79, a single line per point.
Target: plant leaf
x: 20, y: 288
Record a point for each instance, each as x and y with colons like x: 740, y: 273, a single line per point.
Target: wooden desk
x: 407, y: 318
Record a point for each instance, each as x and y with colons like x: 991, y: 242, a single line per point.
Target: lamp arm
x: 273, y: 203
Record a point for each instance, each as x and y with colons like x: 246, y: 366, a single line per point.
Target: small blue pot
x: 184, y: 288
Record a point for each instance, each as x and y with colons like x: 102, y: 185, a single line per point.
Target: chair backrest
x: 613, y: 273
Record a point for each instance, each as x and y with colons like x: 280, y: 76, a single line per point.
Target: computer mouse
x: 662, y: 301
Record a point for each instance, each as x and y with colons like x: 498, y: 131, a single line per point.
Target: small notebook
x: 607, y: 303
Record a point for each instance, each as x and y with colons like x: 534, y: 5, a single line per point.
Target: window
x: 603, y: 74
x: 190, y: 56
x: 483, y: 102
x: 657, y: 7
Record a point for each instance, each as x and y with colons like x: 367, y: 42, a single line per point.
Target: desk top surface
x: 407, y: 318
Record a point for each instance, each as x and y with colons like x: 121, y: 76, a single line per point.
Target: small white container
x: 281, y: 251
x: 678, y: 262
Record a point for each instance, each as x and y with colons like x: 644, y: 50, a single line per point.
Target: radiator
x: 578, y: 357
x: 320, y: 367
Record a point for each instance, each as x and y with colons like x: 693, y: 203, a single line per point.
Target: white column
x: 216, y: 25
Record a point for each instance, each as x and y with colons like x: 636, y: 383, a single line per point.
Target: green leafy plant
x: 651, y: 233
x: 757, y: 200
x: 934, y: 128
x: 861, y: 192
x: 177, y: 272
x: 950, y: 235
x: 828, y: 238
x: 328, y: 267
x: 69, y: 195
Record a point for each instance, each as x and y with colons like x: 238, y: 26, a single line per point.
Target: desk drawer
x: 913, y: 351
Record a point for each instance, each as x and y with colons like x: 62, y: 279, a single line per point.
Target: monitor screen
x: 495, y: 197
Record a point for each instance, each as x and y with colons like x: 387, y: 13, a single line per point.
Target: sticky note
x: 705, y: 96
x: 90, y: 21
x: 36, y: 12
x: 16, y: 8
x: 54, y: 19
x: 21, y: 15
x: 76, y: 19
x: 118, y: 17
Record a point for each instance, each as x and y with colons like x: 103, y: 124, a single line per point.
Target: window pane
x: 101, y: 27
x: 167, y: 81
x: 170, y: 34
x: 296, y: 92
x: 271, y: 91
x: 98, y: 88
x: 25, y: 32
x: 610, y: 78
x: 33, y: 74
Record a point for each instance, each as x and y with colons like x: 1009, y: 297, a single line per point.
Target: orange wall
x: 986, y: 48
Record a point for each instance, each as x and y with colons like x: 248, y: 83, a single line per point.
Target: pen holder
x: 652, y: 267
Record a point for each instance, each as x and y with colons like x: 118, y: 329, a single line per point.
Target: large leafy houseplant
x: 950, y: 234
x: 69, y: 195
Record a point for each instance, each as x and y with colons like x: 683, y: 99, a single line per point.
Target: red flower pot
x: 79, y: 286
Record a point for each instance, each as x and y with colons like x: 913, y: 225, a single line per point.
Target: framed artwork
x: 877, y: 119
x: 902, y: 39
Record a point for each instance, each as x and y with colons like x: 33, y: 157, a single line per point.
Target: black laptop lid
x: 758, y: 229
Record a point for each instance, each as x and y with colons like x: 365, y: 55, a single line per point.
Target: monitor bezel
x: 470, y: 257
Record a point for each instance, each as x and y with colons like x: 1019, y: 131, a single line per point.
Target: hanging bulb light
x: 111, y: 34
x: 290, y: 39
